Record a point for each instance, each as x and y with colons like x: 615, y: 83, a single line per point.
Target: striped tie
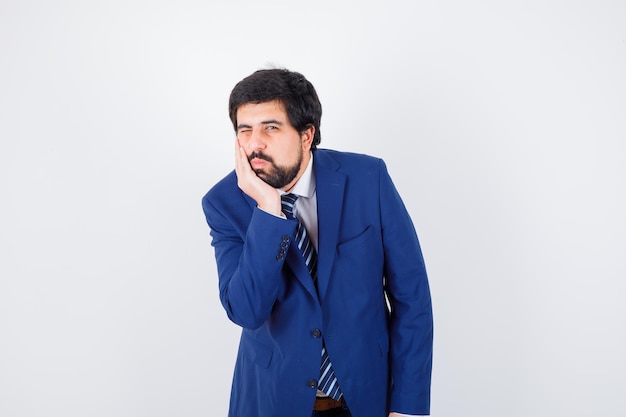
x: 328, y: 381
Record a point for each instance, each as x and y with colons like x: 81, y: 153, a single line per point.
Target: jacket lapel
x: 330, y: 186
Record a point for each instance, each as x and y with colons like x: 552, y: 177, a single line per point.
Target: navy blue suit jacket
x: 368, y: 252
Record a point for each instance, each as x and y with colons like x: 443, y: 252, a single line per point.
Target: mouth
x: 258, y: 163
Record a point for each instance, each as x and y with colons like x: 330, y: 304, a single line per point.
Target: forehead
x: 274, y: 109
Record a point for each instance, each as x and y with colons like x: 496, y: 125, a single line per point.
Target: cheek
x: 244, y: 140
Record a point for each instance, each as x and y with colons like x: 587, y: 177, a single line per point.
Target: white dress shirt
x: 305, y: 208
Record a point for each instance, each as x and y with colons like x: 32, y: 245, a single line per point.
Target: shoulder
x: 348, y: 160
x: 224, y: 193
x: 223, y: 186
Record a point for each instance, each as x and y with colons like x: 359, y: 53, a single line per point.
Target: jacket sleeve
x: 411, y: 321
x: 249, y: 265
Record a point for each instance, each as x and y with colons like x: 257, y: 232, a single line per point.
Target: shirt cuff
x: 282, y: 215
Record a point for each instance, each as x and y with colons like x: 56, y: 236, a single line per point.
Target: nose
x: 256, y: 141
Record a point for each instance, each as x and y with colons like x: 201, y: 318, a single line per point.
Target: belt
x: 326, y: 403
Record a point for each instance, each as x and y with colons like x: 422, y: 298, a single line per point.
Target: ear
x: 307, y: 137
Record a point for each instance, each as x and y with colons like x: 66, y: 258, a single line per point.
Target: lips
x: 258, y: 163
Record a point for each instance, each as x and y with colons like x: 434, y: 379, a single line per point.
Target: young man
x: 319, y: 263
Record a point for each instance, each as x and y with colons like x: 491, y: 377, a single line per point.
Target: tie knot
x: 287, y: 201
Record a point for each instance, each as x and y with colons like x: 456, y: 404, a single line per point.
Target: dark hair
x: 291, y: 88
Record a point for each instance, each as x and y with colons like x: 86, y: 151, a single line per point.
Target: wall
x: 502, y: 124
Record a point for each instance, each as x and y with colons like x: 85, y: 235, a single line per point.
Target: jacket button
x: 279, y: 257
x: 311, y: 383
x: 316, y: 333
x: 285, y: 238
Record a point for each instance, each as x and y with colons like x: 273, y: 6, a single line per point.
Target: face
x: 277, y: 152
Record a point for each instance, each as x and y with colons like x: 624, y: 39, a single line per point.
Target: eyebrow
x: 264, y: 122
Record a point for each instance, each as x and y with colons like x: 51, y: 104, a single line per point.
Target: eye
x: 271, y: 127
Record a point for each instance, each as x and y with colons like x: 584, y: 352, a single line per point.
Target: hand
x: 399, y: 415
x: 266, y: 197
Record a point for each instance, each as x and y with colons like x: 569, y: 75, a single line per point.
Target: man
x: 319, y: 263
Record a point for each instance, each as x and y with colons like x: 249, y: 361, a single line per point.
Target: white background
x: 503, y: 125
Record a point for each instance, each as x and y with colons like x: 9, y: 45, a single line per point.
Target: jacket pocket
x: 356, y: 239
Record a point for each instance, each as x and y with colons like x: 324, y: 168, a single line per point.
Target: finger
x: 240, y: 157
x: 237, y: 158
x: 238, y: 151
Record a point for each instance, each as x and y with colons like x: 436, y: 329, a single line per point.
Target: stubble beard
x: 277, y: 176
